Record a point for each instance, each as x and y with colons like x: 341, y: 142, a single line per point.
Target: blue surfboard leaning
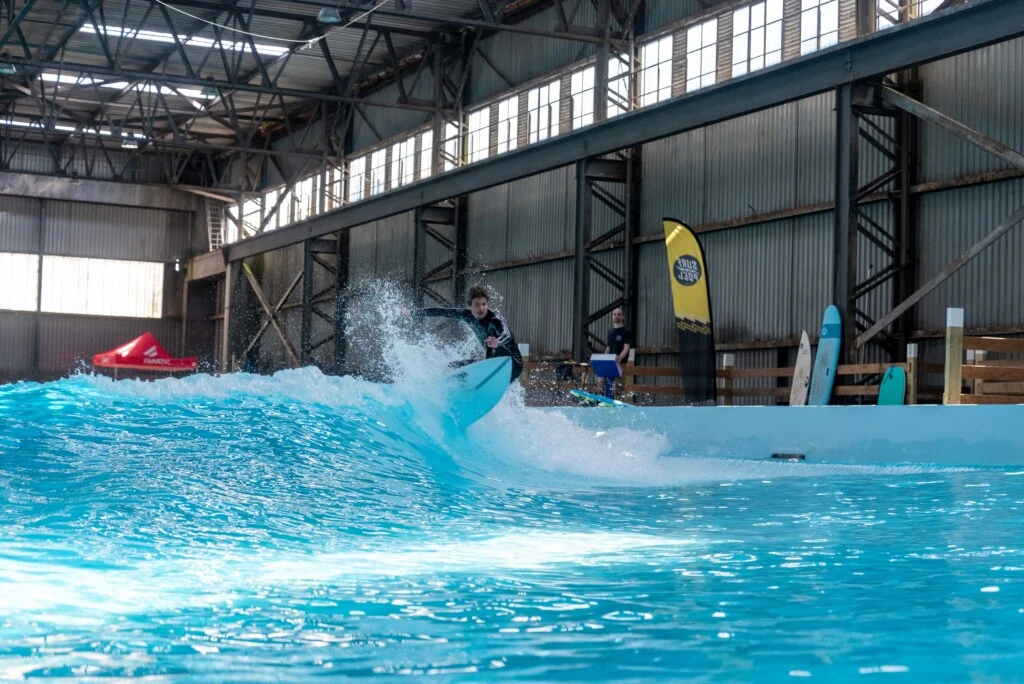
x: 477, y: 388
x: 894, y: 387
x: 827, y: 359
x: 596, y: 399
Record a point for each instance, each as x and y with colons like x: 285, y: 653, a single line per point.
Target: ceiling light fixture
x: 328, y: 15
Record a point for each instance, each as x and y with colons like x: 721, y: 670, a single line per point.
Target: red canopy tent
x: 143, y: 353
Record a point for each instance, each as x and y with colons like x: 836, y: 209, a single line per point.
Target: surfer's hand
x: 491, y: 342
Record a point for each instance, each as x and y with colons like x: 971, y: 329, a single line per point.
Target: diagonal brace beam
x: 926, y: 113
x: 958, y: 263
x: 272, y: 314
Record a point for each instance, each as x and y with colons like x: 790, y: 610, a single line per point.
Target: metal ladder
x: 215, y: 223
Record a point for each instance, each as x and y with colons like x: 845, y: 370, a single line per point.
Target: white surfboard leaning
x: 477, y: 388
x: 802, y: 373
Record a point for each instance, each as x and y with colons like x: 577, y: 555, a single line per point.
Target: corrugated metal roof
x: 63, y: 33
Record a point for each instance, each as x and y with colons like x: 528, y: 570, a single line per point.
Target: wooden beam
x: 926, y: 113
x: 958, y: 263
x: 994, y: 344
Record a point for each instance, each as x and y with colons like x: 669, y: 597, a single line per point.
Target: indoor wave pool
x: 284, y: 528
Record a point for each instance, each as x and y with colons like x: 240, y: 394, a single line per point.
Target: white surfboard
x: 802, y: 374
x: 478, y: 388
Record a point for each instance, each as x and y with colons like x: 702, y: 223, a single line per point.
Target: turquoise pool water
x: 284, y: 528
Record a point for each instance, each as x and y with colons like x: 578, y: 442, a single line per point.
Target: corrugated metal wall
x: 772, y: 277
x: 521, y: 58
x: 19, y: 224
x: 658, y: 13
x: 381, y: 123
x: 528, y: 218
x: 716, y: 174
x: 989, y: 288
x: 17, y: 340
x: 83, y: 230
x: 982, y: 89
x: 113, y: 232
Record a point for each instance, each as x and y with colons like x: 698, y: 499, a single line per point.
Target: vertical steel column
x: 438, y: 121
x: 905, y: 213
x: 844, y: 261
x: 634, y: 184
x: 601, y: 66
x: 341, y: 300
x: 419, y: 254
x: 231, y: 271
x: 306, y: 334
x: 38, y: 323
x: 459, y: 252
x: 581, y: 263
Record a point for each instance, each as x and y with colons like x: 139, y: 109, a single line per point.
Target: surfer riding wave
x: 489, y: 326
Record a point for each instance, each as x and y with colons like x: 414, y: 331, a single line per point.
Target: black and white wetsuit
x: 491, y: 325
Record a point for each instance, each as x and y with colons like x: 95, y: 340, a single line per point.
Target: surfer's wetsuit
x: 491, y: 325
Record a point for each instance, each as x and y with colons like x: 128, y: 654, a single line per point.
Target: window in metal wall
x: 269, y: 204
x: 508, y: 124
x: 701, y: 55
x: 356, y: 179
x: 542, y: 104
x: 102, y: 287
x: 252, y: 215
x: 403, y: 162
x: 819, y: 24
x: 479, y: 125
x: 284, y: 212
x: 335, y: 187
x: 656, y: 71
x: 378, y: 171
x: 21, y: 275
x: 305, y: 196
x: 426, y: 154
x: 618, y: 85
x: 231, y: 225
x: 756, y: 36
x: 893, y: 12
x: 452, y: 147
x: 581, y: 90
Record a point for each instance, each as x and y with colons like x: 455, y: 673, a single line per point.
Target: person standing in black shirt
x: 619, y: 342
x: 489, y: 326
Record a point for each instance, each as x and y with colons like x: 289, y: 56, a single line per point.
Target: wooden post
x: 524, y: 351
x: 969, y: 361
x: 627, y: 382
x: 954, y: 356
x: 979, y: 359
x: 912, y: 373
x: 728, y: 362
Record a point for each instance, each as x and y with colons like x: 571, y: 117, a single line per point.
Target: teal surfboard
x: 477, y: 388
x: 827, y: 359
x: 893, y: 388
x: 596, y: 399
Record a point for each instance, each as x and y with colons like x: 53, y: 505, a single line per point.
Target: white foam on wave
x: 521, y: 441
x: 53, y: 592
